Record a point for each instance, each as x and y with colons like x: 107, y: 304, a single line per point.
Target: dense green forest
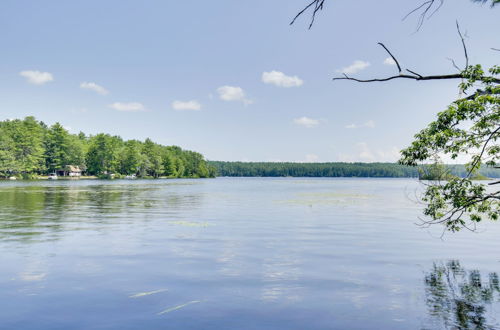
x: 388, y: 170
x: 29, y: 148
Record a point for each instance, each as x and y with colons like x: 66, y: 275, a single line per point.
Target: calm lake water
x: 238, y: 253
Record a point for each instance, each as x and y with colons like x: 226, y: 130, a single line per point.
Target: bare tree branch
x: 413, y: 72
x: 414, y: 76
x: 318, y: 5
x: 417, y: 76
x: 463, y: 44
x: 392, y: 56
x: 454, y: 64
x: 426, y: 13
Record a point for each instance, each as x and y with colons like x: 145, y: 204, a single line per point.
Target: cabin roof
x: 72, y: 168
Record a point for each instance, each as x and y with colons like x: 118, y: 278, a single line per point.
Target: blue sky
x: 232, y: 79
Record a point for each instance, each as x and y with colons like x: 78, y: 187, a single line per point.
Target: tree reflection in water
x: 461, y: 299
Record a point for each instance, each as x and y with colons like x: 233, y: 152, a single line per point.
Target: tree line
x: 29, y: 148
x: 381, y: 170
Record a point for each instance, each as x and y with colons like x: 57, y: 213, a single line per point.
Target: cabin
x: 70, y: 170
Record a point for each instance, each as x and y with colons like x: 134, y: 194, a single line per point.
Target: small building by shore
x: 70, y: 170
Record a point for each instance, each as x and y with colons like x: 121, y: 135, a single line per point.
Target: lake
x: 238, y: 253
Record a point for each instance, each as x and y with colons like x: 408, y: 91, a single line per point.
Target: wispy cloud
x: 389, y: 61
x: 37, y: 77
x: 186, y: 106
x: 128, y: 107
x: 233, y: 93
x: 306, y: 122
x: 281, y: 80
x: 355, y: 67
x: 368, y: 124
x: 94, y: 87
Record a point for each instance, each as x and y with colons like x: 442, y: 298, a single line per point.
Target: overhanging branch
x: 392, y: 56
x: 413, y: 76
x: 317, y: 5
x: 427, y: 11
x: 463, y: 44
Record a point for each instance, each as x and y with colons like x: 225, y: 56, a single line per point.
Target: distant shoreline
x: 332, y: 170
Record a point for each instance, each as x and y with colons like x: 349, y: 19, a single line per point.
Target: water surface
x: 238, y: 253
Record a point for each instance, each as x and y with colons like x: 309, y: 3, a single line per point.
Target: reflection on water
x: 462, y: 299
x: 236, y: 254
x: 38, y: 212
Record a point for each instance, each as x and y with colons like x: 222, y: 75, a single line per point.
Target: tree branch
x: 318, y: 5
x: 414, y: 76
x: 392, y: 56
x: 454, y: 64
x: 463, y: 44
x: 427, y: 5
x: 478, y: 159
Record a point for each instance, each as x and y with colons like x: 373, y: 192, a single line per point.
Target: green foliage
x: 380, y: 170
x: 29, y: 148
x: 131, y: 157
x: 313, y: 169
x: 21, y: 146
x: 152, y: 164
x: 102, y: 156
x: 436, y: 171
x: 7, y: 159
x: 62, y: 148
x: 469, y: 127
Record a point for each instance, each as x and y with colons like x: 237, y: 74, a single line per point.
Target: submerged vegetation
x: 29, y: 148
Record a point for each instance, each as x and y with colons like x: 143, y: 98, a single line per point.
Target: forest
x: 382, y: 170
x: 29, y: 148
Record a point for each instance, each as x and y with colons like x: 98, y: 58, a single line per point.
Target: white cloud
x: 355, y: 67
x: 31, y: 277
x: 188, y: 105
x: 232, y: 93
x: 366, y: 154
x: 94, y: 87
x: 368, y: 124
x: 389, y: 61
x: 281, y: 80
x: 128, y: 107
x: 306, y: 122
x: 37, y: 77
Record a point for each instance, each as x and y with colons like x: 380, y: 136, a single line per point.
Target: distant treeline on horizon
x: 29, y: 148
x: 290, y: 169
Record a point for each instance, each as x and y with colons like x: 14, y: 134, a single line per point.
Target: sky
x: 232, y: 79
